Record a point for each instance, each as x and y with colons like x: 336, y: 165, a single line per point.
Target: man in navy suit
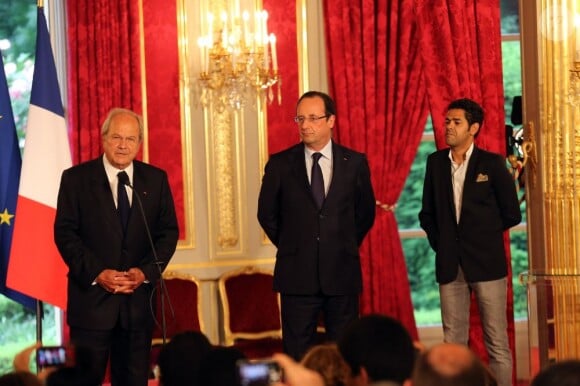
x: 317, y: 232
x: 469, y: 200
x: 112, y: 266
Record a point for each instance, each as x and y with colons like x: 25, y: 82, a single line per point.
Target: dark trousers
x: 129, y: 353
x: 300, y: 315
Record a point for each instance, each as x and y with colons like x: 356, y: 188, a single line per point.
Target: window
x: 419, y: 257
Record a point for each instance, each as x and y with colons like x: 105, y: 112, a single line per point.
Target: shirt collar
x: 467, y: 153
x: 326, y: 151
x: 112, y: 171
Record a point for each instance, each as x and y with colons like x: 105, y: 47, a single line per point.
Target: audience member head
x: 326, y: 360
x: 296, y: 374
x: 377, y: 348
x: 180, y: 358
x: 218, y: 367
x: 20, y: 378
x: 450, y: 364
x: 564, y: 373
x: 72, y: 376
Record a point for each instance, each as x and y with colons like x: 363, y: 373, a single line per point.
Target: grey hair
x: 116, y: 111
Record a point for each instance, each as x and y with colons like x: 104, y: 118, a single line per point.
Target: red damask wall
x: 162, y: 95
x: 282, y: 131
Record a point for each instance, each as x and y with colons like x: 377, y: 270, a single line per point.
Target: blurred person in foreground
x: 20, y: 378
x: 450, y: 364
x: 295, y: 374
x: 76, y: 371
x: 180, y: 359
x: 327, y: 360
x: 378, y: 350
x: 564, y: 373
x: 218, y: 367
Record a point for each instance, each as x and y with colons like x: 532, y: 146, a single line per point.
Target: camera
x: 52, y: 356
x: 262, y: 372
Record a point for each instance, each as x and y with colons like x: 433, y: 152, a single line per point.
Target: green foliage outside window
x: 17, y: 42
x: 419, y: 257
x: 19, y: 330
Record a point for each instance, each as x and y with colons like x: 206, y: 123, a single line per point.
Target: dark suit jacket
x: 88, y: 234
x: 489, y: 207
x: 317, y: 249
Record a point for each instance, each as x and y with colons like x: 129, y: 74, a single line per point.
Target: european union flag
x: 10, y: 163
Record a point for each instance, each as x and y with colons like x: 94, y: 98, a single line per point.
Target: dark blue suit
x: 88, y: 234
x: 317, y: 249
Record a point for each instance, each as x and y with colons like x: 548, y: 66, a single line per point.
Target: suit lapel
x: 448, y: 181
x: 104, y: 196
x: 339, y: 163
x: 140, y: 188
x: 299, y: 168
x: 470, y: 173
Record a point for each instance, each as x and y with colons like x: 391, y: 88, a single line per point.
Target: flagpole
x: 39, y: 314
x: 39, y: 311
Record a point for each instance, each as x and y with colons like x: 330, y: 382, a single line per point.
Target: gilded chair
x: 251, y: 311
x: 182, y: 306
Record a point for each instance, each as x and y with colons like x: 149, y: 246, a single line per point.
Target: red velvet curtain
x: 105, y: 40
x: 460, y: 42
x: 282, y: 131
x: 103, y: 68
x: 376, y: 79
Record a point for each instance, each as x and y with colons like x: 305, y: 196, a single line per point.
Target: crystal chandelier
x: 239, y: 61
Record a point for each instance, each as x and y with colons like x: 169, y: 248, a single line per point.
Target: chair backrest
x: 183, y: 310
x: 250, y: 306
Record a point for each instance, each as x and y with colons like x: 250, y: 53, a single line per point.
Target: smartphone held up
x: 262, y: 372
x: 53, y: 356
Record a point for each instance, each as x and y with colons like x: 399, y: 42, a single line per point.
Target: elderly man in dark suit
x: 102, y: 236
x: 316, y: 205
x: 469, y: 200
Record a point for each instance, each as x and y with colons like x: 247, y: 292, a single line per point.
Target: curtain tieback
x: 386, y: 207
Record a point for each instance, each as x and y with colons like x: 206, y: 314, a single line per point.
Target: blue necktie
x: 123, y: 207
x: 317, y: 180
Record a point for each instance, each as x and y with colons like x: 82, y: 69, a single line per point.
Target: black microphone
x: 124, y: 179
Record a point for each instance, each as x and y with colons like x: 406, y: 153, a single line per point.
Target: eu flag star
x: 5, y: 217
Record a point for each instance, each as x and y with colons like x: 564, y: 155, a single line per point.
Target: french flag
x: 36, y: 268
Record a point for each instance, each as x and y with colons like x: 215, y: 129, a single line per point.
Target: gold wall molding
x: 552, y: 176
x: 223, y: 158
x: 530, y: 161
x: 187, y: 163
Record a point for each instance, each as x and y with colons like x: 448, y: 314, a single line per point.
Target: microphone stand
x: 162, y: 286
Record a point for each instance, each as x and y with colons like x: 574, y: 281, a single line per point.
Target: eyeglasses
x: 300, y: 119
